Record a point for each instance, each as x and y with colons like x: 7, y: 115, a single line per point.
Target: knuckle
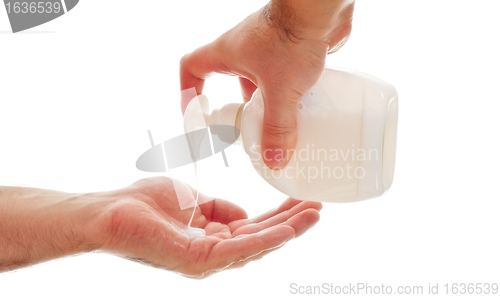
x: 183, y: 60
x: 277, y: 129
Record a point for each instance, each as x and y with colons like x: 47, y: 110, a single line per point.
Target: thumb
x: 279, y: 128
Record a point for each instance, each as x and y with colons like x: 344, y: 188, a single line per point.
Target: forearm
x: 37, y: 225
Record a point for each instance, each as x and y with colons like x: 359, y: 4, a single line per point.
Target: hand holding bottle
x: 281, y: 49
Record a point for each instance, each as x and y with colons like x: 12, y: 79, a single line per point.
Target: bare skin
x: 142, y: 222
x: 281, y: 49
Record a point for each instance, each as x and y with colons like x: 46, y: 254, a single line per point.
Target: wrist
x: 87, y: 222
x: 309, y: 19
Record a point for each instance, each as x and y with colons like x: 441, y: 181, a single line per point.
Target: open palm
x: 146, y: 222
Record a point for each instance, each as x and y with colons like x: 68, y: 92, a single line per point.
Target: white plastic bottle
x: 346, y: 137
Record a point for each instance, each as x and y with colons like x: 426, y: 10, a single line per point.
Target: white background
x: 77, y: 95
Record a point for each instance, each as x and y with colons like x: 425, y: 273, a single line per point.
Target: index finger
x: 195, y: 67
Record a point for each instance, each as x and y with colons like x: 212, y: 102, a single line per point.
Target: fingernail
x: 275, y: 158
